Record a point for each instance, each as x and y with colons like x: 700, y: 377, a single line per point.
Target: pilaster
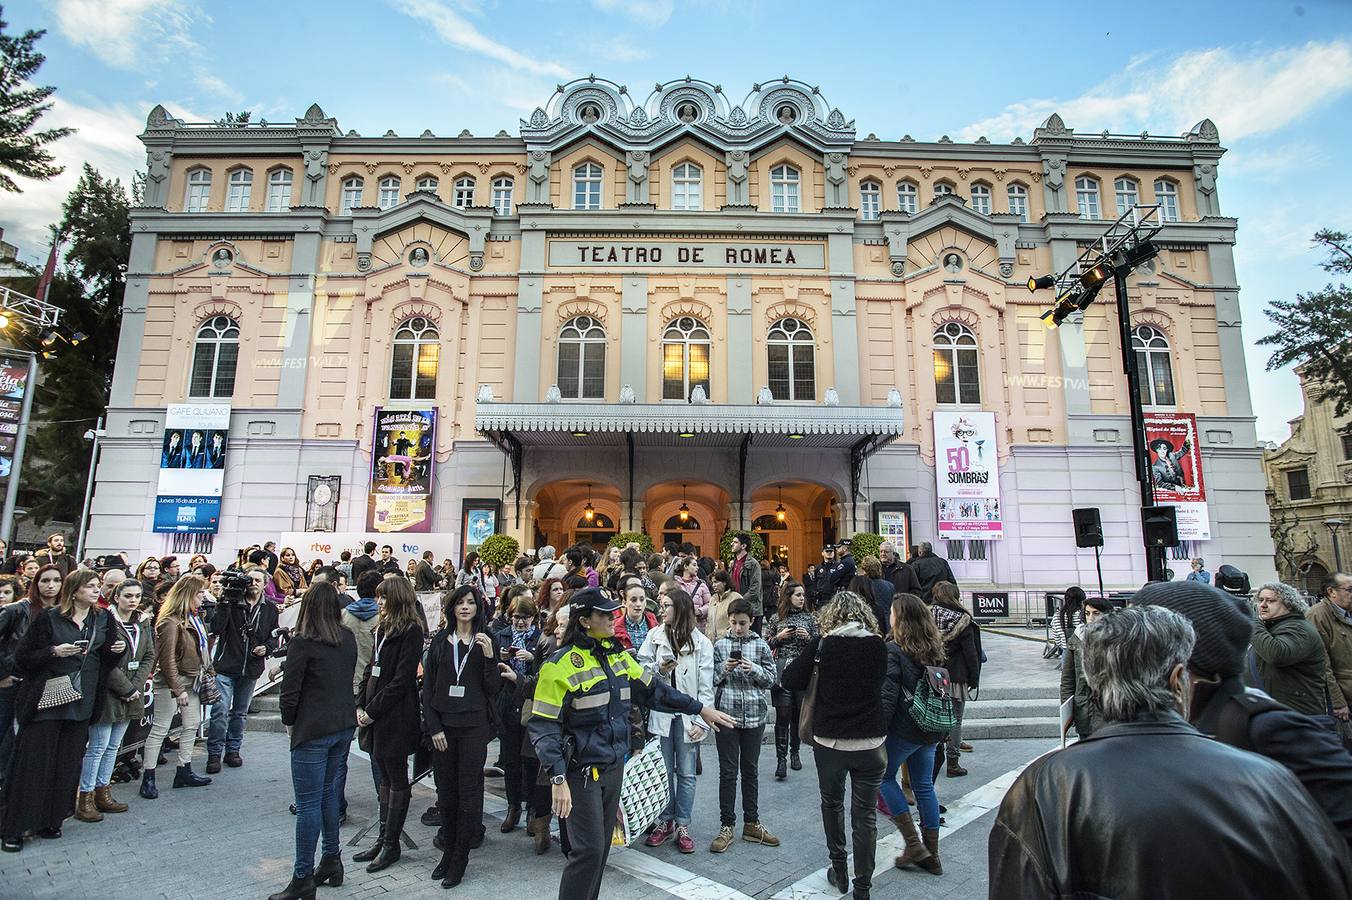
x: 740, y: 386
x: 529, y: 302
x: 135, y: 298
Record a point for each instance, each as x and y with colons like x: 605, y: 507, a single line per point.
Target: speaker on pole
x: 1088, y: 527
x: 1159, y: 526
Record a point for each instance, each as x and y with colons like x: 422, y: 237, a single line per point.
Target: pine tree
x: 23, y: 151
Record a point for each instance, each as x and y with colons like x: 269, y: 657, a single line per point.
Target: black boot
x: 148, y: 789
x: 186, y: 777
x: 455, y: 871
x: 298, y: 889
x: 795, y: 761
x: 329, y: 871
x: 839, y: 876
x: 371, y: 853
x: 781, y: 749
x: 394, y: 829
x: 439, y: 872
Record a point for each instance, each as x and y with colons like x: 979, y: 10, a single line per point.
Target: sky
x: 1275, y: 77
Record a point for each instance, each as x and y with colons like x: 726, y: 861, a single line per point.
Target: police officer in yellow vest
x: 580, y: 730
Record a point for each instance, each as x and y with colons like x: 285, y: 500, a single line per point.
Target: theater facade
x: 672, y: 311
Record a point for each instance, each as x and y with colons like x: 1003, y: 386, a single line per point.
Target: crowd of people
x: 572, y: 662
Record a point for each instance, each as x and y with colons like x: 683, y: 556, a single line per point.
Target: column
x: 634, y: 348
x: 140, y: 265
x: 1237, y: 399
x: 844, y: 322
x: 300, y: 299
x: 529, y: 301
x: 740, y: 341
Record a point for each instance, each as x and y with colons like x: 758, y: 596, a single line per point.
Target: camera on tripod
x: 235, y: 587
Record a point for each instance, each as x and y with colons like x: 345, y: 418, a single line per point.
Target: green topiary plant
x: 865, y: 544
x: 499, y: 550
x: 645, y: 543
x: 725, y: 546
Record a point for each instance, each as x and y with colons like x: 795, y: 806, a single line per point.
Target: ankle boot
x: 955, y: 769
x: 85, y: 810
x: 795, y: 761
x: 394, y: 829
x: 915, y: 850
x: 838, y: 874
x: 439, y: 872
x: 186, y: 777
x: 103, y: 800
x: 374, y: 850
x: 510, y: 821
x: 298, y: 889
x: 539, y: 829
x: 148, y: 789
x: 931, y: 838
x: 781, y: 751
x: 455, y: 872
x: 329, y: 871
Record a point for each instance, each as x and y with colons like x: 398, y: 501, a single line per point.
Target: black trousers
x: 738, y: 749
x: 865, y: 769
x: 459, y: 774
x: 519, y: 772
x: 590, y: 826
x: 393, y: 771
x: 788, y: 708
x: 44, y: 775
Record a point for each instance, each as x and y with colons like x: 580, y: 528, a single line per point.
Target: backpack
x: 931, y: 706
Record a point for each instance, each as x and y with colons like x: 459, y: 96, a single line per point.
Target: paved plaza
x: 233, y: 839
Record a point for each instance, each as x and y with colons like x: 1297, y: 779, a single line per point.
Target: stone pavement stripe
x: 670, y: 878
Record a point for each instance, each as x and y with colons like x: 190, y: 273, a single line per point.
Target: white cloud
x: 455, y: 30
x: 123, y: 32
x: 217, y: 86
x: 621, y: 50
x: 492, y: 89
x: 651, y: 13
x: 1244, y: 93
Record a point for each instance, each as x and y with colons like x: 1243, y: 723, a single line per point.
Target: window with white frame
x: 587, y: 186
x: 238, y: 191
x: 792, y: 358
x: 582, y: 359
x: 426, y: 183
x: 956, y: 374
x: 1154, y: 366
x: 352, y: 188
x: 981, y: 199
x: 502, y: 196
x: 687, y: 186
x: 1018, y: 201
x: 1166, y: 195
x: 1087, y: 196
x: 942, y: 189
x: 870, y: 200
x: 685, y: 358
x: 215, y: 358
x: 908, y: 197
x: 463, y: 197
x: 198, y: 194
x: 279, y: 190
x: 414, y: 361
x: 389, y: 192
x: 784, y: 189
x: 1127, y: 193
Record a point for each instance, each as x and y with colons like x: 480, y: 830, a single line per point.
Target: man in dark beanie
x: 1221, y: 707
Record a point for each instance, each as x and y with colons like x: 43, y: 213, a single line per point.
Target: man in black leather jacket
x: 1148, y: 806
x: 931, y: 569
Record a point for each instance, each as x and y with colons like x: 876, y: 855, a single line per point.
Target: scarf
x: 364, y: 609
x: 294, y: 573
x: 523, y: 640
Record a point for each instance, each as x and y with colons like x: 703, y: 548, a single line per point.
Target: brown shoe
x: 915, y: 851
x: 509, y: 821
x: 723, y: 841
x: 756, y: 833
x: 965, y: 747
x: 538, y: 828
x: 104, y: 802
x: 931, y: 864
x: 85, y: 810
x: 955, y: 770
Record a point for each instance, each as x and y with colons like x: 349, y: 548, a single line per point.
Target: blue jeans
x: 679, y: 755
x: 318, y: 768
x: 920, y: 763
x: 236, y: 695
x: 105, y: 738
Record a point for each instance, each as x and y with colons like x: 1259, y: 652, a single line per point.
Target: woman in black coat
x: 962, y: 644
x: 388, y: 710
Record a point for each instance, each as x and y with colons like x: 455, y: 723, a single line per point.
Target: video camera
x: 282, y: 635
x: 235, y: 587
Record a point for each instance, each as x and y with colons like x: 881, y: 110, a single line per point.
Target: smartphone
x: 83, y: 645
x: 735, y: 654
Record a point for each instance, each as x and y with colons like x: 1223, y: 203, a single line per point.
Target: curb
x: 1014, y: 634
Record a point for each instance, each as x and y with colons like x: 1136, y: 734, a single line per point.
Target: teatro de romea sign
x: 687, y: 254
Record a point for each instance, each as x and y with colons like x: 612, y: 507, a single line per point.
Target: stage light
x: 1037, y: 284
x: 77, y: 337
x: 4, y: 320
x: 1095, y: 276
x: 1142, y: 253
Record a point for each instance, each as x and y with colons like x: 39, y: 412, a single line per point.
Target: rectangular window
x: 804, y: 375
x: 401, y: 372
x: 1347, y: 446
x: 593, y: 371
x: 981, y: 200
x: 429, y: 357
x: 279, y: 195
x: 1298, y: 484
x: 1162, y: 379
x: 945, y: 388
x: 568, y: 369
x: 200, y: 384
x: 1089, y: 203
x: 1126, y: 196
x: 502, y: 199
x: 699, y: 367
x: 1018, y: 204
x: 779, y: 371
x: 955, y: 549
x: 673, y: 372
x: 969, y: 386
x: 238, y: 196
x: 976, y: 549
x: 199, y: 194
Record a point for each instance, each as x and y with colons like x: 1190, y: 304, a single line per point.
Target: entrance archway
x: 793, y: 518
x: 706, y: 514
x: 562, y: 510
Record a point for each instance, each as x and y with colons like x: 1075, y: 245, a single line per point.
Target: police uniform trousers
x: 590, y: 827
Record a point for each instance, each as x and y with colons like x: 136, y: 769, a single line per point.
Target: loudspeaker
x: 1088, y: 527
x: 1159, y: 526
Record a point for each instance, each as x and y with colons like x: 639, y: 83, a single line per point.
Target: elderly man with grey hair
x: 1287, y: 658
x: 547, y: 567
x: 1148, y: 806
x: 897, y: 570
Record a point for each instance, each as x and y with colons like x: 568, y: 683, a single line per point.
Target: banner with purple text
x: 403, y: 455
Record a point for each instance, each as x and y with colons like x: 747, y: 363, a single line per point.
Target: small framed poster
x: 479, y: 520
x: 321, y: 502
x: 892, y: 520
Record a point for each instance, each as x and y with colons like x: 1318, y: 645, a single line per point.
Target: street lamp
x: 1333, y: 525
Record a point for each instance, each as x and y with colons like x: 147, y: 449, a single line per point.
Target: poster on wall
x: 1175, y: 465
x: 192, y: 468
x: 893, y: 522
x: 321, y: 502
x: 479, y: 522
x: 403, y: 451
x: 968, y: 476
x: 13, y: 385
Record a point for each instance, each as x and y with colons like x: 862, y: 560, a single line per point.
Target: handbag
x: 808, y: 708
x: 59, y: 691
x: 207, y: 690
x: 931, y: 706
x: 643, y: 793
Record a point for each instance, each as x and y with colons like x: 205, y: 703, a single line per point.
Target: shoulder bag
x: 60, y: 690
x: 808, y: 707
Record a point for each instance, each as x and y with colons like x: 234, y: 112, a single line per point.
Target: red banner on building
x: 1174, y: 458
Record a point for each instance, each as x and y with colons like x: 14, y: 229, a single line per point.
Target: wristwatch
x: 557, y: 779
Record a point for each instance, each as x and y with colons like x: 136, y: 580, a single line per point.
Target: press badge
x: 133, y: 665
x: 375, y: 671
x: 457, y: 690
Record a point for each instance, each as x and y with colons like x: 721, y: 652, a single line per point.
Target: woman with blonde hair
x: 182, y: 667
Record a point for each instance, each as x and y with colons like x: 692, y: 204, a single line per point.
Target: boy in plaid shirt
x: 744, y: 671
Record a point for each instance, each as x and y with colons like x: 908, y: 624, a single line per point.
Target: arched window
x: 1087, y: 196
x: 464, y: 193
x: 389, y: 192
x: 414, y: 362
x: 792, y: 353
x: 199, y: 191
x: 1018, y: 201
x: 687, y: 187
x: 587, y: 186
x: 908, y: 197
x: 582, y: 359
x: 870, y: 200
x: 685, y: 358
x: 1154, y: 365
x: 981, y: 199
x: 426, y: 183
x: 1127, y: 193
x: 502, y: 196
x: 352, y: 188
x: 956, y: 377
x: 942, y: 189
x: 1166, y: 195
x: 239, y: 190
x: 784, y: 184
x: 279, y: 190
x: 215, y: 357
